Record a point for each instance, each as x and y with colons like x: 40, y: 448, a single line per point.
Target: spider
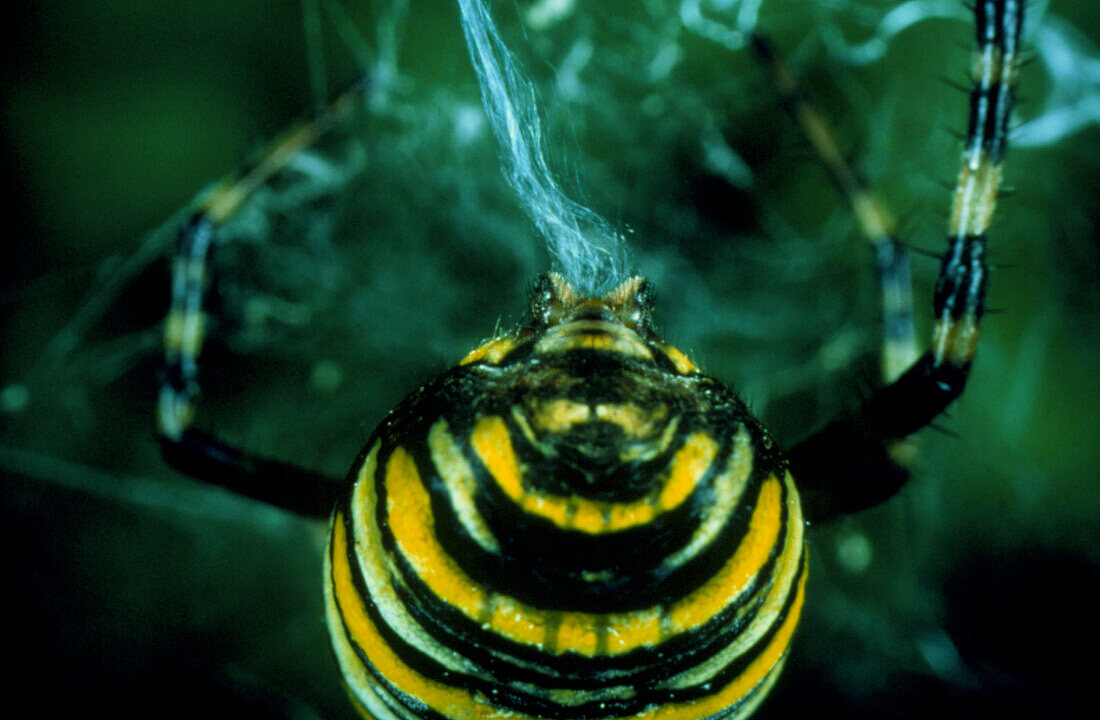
x: 575, y: 521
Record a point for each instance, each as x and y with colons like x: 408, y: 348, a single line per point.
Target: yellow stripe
x: 636, y: 423
x: 410, y: 518
x: 345, y: 607
x: 492, y: 443
x: 678, y: 358
x: 358, y: 681
x: 728, y: 487
x: 376, y: 569
x: 760, y: 693
x: 746, y: 562
x: 183, y: 331
x: 588, y: 516
x: 975, y: 197
x: 409, y: 512
x: 626, y: 631
x: 492, y: 352
x: 591, y: 342
x: 609, y: 337
x: 775, y: 594
x: 519, y: 622
x: 559, y: 415
x: 872, y: 217
x: 744, y: 683
x: 688, y: 467
x: 461, y: 705
x: 450, y: 701
x: 955, y: 340
x: 413, y: 525
x: 458, y: 476
x: 577, y: 632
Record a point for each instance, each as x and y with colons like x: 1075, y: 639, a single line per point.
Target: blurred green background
x: 393, y: 247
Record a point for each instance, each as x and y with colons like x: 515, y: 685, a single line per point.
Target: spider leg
x: 876, y: 223
x: 898, y: 350
x: 846, y: 466
x: 195, y: 452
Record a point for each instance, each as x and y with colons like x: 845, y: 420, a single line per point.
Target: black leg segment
x: 831, y: 465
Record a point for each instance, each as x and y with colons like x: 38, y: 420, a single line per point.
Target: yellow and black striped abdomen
x: 585, y: 534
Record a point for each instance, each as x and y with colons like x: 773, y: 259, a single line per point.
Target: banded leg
x: 876, y: 223
x: 834, y: 475
x: 192, y: 451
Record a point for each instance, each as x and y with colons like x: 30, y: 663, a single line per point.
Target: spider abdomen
x: 568, y: 533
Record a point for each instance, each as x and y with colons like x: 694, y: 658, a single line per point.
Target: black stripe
x: 178, y: 378
x: 409, y: 702
x: 738, y: 666
x: 960, y: 287
x: 663, y: 362
x: 193, y: 243
x: 586, y: 462
x: 999, y: 25
x: 990, y: 108
x: 640, y: 670
x: 452, y: 628
x: 542, y: 564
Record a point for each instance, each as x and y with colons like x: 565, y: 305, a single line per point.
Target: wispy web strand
x: 583, y: 246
